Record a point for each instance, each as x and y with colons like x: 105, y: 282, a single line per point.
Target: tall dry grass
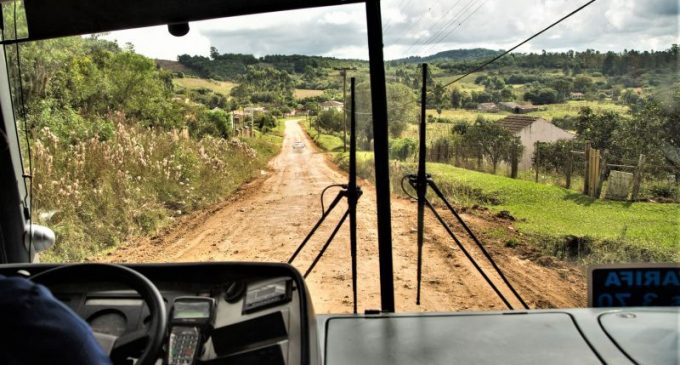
x: 96, y: 194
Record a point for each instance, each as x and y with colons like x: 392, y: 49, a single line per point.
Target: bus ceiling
x: 52, y: 19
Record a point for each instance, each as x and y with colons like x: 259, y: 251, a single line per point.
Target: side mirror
x: 42, y: 237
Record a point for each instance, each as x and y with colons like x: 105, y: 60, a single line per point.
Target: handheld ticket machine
x: 191, y: 319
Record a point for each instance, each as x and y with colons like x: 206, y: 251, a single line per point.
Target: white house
x: 331, y: 104
x: 531, y: 130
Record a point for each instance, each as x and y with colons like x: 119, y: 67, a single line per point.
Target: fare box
x: 634, y: 285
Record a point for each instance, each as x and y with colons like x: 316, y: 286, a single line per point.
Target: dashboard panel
x: 262, y: 313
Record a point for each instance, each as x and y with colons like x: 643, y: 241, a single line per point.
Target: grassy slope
x: 224, y: 87
x: 304, y: 93
x: 551, y: 211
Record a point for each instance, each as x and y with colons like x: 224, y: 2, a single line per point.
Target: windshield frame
x: 48, y: 20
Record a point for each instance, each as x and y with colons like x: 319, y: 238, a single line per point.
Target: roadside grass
x: 615, y: 231
x: 327, y: 142
x: 97, y: 195
x: 558, y: 221
x: 307, y: 93
x: 190, y: 83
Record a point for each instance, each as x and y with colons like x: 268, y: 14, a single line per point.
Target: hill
x: 451, y: 55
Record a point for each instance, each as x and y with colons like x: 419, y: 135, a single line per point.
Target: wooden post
x: 601, y: 172
x: 637, y: 178
x: 586, y: 174
x: 537, y: 163
x: 570, y: 168
x: 514, y: 163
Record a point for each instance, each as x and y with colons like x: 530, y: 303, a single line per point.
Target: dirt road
x: 269, y: 217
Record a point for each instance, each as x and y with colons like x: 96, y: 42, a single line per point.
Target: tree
x: 265, y: 122
x: 583, y: 84
x: 330, y: 120
x: 495, y: 142
x: 438, y: 97
x: 598, y: 128
x: 544, y: 95
x: 265, y: 85
x: 457, y: 98
x: 401, y: 110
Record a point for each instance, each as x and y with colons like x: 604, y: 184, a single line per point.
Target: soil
x: 269, y: 217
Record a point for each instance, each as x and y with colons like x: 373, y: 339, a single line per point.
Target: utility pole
x: 343, y: 73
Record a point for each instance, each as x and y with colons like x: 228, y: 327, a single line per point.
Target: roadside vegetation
x: 117, y: 150
x: 558, y: 221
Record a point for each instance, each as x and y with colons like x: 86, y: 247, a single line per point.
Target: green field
x: 304, y: 93
x: 572, y: 107
x: 629, y: 230
x: 222, y: 87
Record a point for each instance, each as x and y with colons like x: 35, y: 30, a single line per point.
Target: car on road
x: 298, y: 146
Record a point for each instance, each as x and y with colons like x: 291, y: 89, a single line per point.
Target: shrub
x: 402, y: 148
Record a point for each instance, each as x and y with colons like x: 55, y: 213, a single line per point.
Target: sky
x: 424, y: 27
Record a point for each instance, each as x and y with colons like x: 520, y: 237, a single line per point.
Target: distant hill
x: 229, y: 66
x: 451, y: 55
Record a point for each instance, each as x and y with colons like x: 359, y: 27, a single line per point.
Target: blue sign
x: 634, y: 286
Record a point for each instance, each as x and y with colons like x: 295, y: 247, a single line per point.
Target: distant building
x: 331, y: 104
x: 240, y: 116
x: 488, y: 107
x: 517, y: 108
x: 576, y: 96
x: 531, y: 130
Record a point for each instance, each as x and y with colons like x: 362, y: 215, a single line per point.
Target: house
x: 241, y: 116
x: 488, y: 108
x: 531, y: 130
x: 517, y: 108
x: 332, y: 104
x: 576, y: 96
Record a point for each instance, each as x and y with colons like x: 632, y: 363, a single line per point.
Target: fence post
x: 637, y: 178
x: 537, y: 163
x: 514, y: 162
x: 570, y: 167
x: 586, y: 174
x: 601, y: 172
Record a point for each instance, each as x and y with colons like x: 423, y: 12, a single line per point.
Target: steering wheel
x: 131, y: 278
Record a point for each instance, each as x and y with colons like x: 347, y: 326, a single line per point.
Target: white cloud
x: 156, y: 42
x: 421, y: 27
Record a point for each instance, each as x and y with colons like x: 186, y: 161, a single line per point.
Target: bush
x: 665, y: 191
x: 402, y: 148
x: 330, y: 120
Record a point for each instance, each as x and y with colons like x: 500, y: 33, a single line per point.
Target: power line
x: 448, y: 24
x: 430, y: 49
x: 437, y: 37
x: 389, y: 24
x: 520, y: 44
x: 414, y: 23
x: 415, y: 44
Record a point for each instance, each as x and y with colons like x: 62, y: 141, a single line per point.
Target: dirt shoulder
x: 268, y: 218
